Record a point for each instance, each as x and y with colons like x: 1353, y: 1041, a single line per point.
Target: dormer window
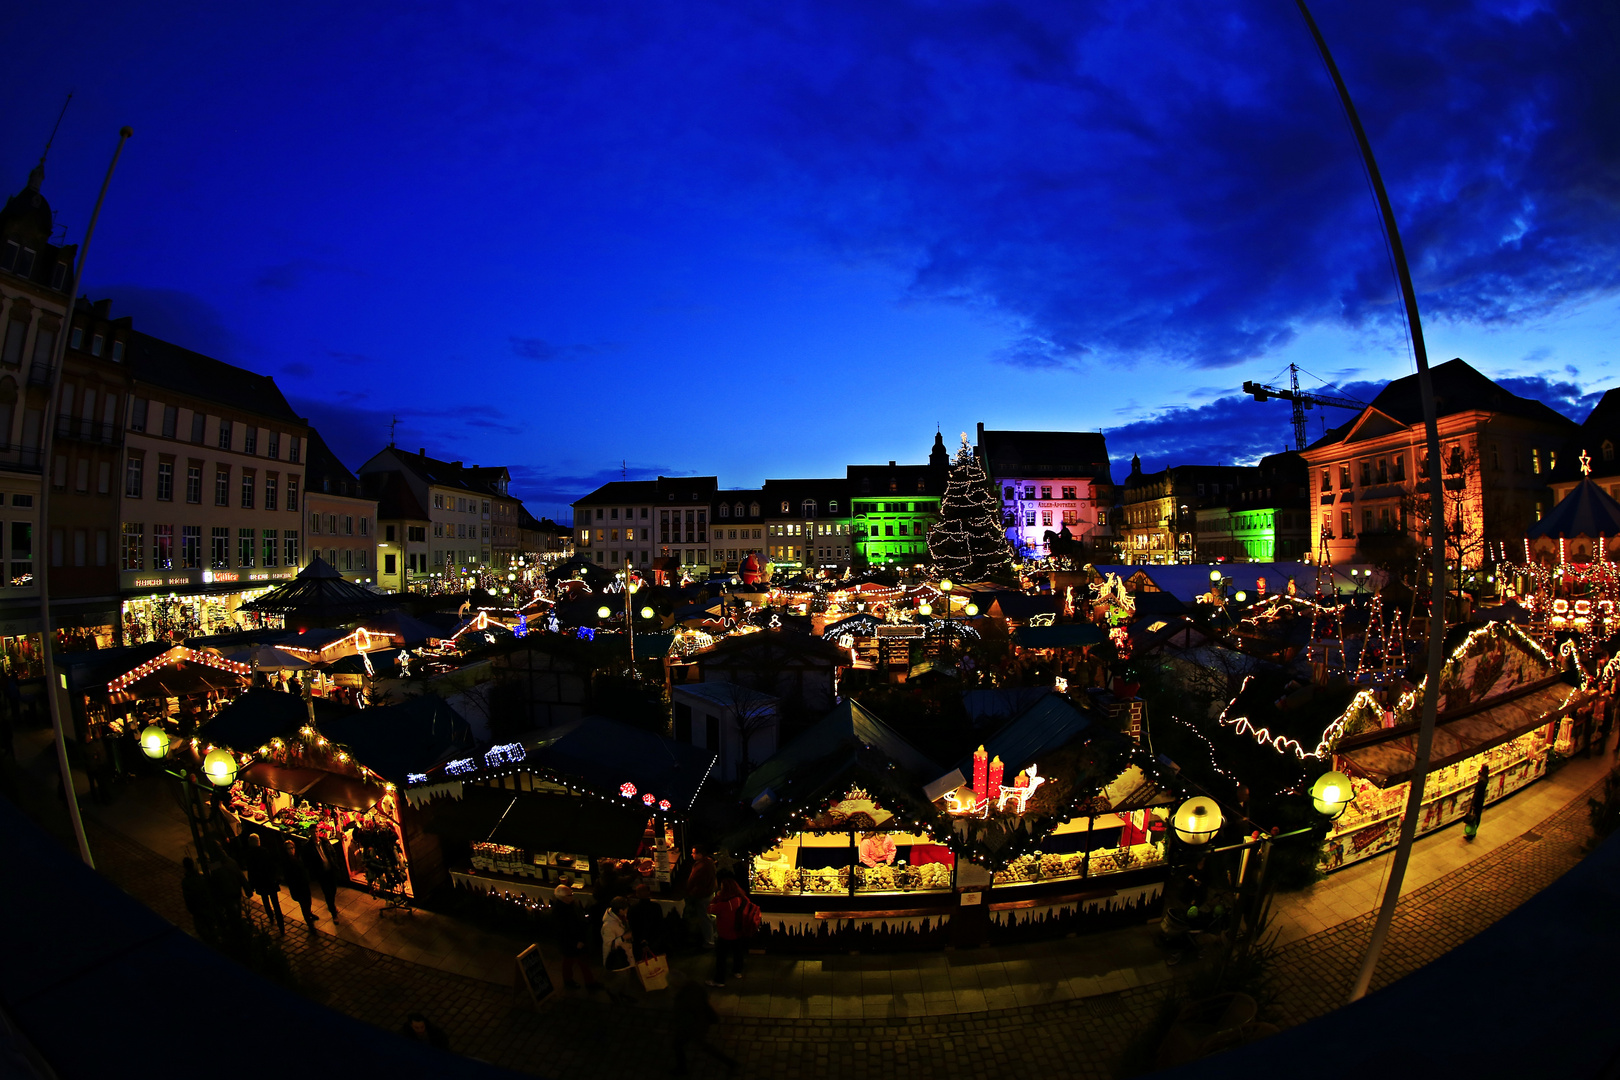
x: 784, y: 506
x: 753, y: 509
x: 97, y: 342
x: 25, y: 262
x: 725, y: 510
x: 809, y: 508
x: 59, y: 276
x: 1608, y: 450
x: 76, y: 339
x: 118, y: 352
x: 832, y: 506
x: 739, y: 510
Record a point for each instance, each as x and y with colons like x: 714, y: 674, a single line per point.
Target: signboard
x: 901, y: 630
x: 533, y: 975
x: 972, y: 899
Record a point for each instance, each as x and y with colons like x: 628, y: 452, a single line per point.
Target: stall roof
x: 394, y: 741
x: 1387, y: 757
x: 335, y: 789
x: 262, y: 714
x: 291, y: 781
x: 544, y: 821
x: 1051, y: 722
x: 606, y: 753
x: 1065, y: 636
x: 848, y: 723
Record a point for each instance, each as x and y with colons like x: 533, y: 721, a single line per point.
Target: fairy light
x: 176, y: 656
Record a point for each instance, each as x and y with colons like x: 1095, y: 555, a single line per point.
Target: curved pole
x: 44, y: 565
x: 1437, y: 550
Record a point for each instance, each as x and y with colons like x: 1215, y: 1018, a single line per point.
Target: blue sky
x: 768, y: 240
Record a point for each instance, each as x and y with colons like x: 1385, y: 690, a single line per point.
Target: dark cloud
x: 298, y: 368
x: 550, y: 493
x: 533, y: 348
x: 181, y: 318
x: 1565, y: 396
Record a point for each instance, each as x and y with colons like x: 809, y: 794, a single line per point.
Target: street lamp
x: 155, y: 742
x: 220, y: 767
x: 1197, y: 820
x: 603, y: 612
x: 1331, y: 794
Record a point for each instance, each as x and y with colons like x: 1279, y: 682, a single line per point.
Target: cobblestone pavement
x: 1082, y: 1038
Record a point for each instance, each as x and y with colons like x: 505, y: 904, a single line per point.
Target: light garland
x: 175, y: 656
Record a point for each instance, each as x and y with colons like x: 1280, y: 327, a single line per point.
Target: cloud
x: 533, y: 348
x: 178, y: 317
x: 553, y: 493
x: 295, y: 273
x: 298, y: 368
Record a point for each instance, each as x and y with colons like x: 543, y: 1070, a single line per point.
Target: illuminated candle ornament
x: 996, y: 768
x: 981, y: 766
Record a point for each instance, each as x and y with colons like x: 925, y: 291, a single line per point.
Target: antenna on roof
x: 391, y: 425
x: 46, y: 152
x: 624, y: 469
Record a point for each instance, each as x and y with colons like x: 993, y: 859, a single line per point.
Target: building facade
x: 809, y: 525
x: 342, y: 520
x: 892, y: 507
x: 739, y: 527
x: 1049, y: 481
x: 404, y: 556
x: 461, y: 503
x: 632, y: 523
x: 211, y: 505
x: 1159, y: 513
x: 1498, y: 452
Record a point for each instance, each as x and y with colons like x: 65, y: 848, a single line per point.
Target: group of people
x: 263, y: 870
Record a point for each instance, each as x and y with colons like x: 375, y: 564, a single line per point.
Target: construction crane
x: 1301, y: 399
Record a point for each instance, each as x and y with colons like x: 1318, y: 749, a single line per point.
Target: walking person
x: 618, y: 947
x: 296, y: 877
x: 700, y: 885
x: 264, y: 879
x: 731, y: 945
x: 199, y: 899
x: 647, y: 924
x: 694, y: 1018
x: 417, y: 1029
x: 321, y: 861
x: 1476, y: 804
x: 568, y: 921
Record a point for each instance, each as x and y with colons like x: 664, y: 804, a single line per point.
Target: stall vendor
x: 877, y: 850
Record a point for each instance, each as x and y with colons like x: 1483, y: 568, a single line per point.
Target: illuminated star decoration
x: 1586, y: 463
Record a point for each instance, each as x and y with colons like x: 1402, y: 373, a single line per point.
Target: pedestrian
x: 226, y: 883
x: 199, y: 898
x: 694, y: 1019
x: 417, y: 1028
x: 700, y: 885
x: 321, y: 863
x: 95, y: 767
x: 647, y: 924
x: 568, y: 921
x: 732, y: 944
x: 1476, y: 804
x: 618, y: 947
x: 296, y: 876
x: 264, y: 879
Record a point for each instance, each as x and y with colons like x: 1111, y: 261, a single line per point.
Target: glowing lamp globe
x: 971, y: 610
x: 603, y: 612
x: 947, y: 584
x: 154, y: 742
x: 1215, y: 575
x: 220, y: 767
x: 925, y: 609
x: 1331, y: 794
x: 647, y: 613
x: 1241, y: 596
x: 1197, y: 820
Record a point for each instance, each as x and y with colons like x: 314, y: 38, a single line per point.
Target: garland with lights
x: 969, y: 542
x: 175, y: 656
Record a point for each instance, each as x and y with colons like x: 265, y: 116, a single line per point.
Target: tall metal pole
x: 46, y: 633
x: 1437, y: 551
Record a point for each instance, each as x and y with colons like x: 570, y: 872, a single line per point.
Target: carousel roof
x: 1588, y: 511
x: 320, y: 592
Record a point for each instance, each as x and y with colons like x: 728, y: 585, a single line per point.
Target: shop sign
x: 901, y: 630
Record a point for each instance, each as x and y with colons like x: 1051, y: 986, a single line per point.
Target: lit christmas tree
x: 970, y: 542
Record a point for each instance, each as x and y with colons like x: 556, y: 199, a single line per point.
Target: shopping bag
x: 653, y: 972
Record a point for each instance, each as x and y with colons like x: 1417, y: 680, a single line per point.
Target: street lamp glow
x: 647, y: 613
x: 603, y: 612
x: 220, y: 767
x: 154, y: 742
x: 1240, y: 596
x: 1214, y: 575
x: 971, y: 609
x: 947, y: 584
x: 925, y: 609
x: 1331, y: 794
x: 1198, y: 820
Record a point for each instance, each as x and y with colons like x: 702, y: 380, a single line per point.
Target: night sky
x: 772, y: 239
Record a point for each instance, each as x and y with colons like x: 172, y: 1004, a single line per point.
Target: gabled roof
x: 727, y: 695
x: 440, y: 473
x: 1601, y: 424
x: 794, y: 492
x: 666, y: 489
x: 1588, y: 511
x: 774, y: 644
x: 262, y: 714
x: 395, y: 499
x: 1053, y: 454
x: 324, y: 473
x: 394, y: 741
x: 844, y: 730
x: 1458, y: 388
x: 1051, y: 722
x: 154, y: 362
x: 605, y: 753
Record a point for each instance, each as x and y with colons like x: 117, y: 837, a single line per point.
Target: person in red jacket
x: 731, y: 944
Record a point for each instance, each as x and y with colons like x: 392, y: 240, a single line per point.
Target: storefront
x: 176, y: 605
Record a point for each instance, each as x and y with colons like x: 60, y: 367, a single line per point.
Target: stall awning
x: 1387, y: 757
x: 539, y: 821
x: 345, y: 791
x: 291, y: 781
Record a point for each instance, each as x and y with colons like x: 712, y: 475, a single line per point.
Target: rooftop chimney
x: 891, y: 464
x: 421, y: 451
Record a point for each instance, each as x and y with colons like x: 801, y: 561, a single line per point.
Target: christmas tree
x: 969, y: 543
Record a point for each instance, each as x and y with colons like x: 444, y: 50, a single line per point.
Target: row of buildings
x: 181, y: 485
x: 1354, y: 495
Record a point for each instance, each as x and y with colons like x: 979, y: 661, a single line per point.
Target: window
x: 292, y: 493
x: 832, y: 506
x: 1327, y: 479
x: 390, y: 565
x: 1046, y: 518
x: 753, y: 509
x: 199, y: 422
x: 486, y: 509
x: 289, y: 547
x: 416, y: 534
x: 1366, y: 474
x: 165, y: 481
x: 219, y: 554
x: 104, y: 478
x: 271, y: 483
x: 132, y: 477
x: 1535, y: 463
x: 1397, y: 468
x: 249, y: 478
x: 1454, y: 461
x: 222, y: 485
x: 191, y: 547
x: 134, y: 547
x: 250, y: 440
x: 137, y: 414
x: 272, y: 444
x: 1346, y: 523
x: 1008, y: 494
x: 1344, y: 477
x: 163, y: 547
x: 614, y: 513
x: 22, y: 552
x: 171, y: 417
x: 1069, y: 491
x: 245, y: 547
x: 224, y: 433
x: 16, y: 332
x: 269, y: 549
x: 365, y: 526
x: 1607, y: 450
x: 193, y: 483
x: 292, y: 448
x: 118, y: 352
x: 725, y: 510
x: 1366, y: 521
x: 809, y: 508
